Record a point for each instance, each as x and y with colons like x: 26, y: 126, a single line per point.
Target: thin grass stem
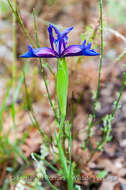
x: 102, y: 47
x: 103, y: 140
x: 15, y: 12
x: 42, y: 68
x: 120, y: 94
x: 90, y: 126
x: 31, y: 111
x: 13, y: 112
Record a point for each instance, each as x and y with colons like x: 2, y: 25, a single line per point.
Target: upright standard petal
x: 51, y: 37
x: 56, y: 29
x: 57, y: 41
x: 61, y: 39
x: 66, y: 31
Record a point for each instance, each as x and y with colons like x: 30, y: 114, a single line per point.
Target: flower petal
x: 29, y: 53
x: 45, y: 52
x: 64, y: 39
x: 51, y: 37
x: 61, y: 40
x: 53, y: 40
x: 84, y: 44
x: 72, y: 50
x: 56, y: 29
x: 79, y: 50
x: 89, y: 52
x: 66, y: 31
x: 88, y: 46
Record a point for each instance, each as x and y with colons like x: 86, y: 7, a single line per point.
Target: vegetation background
x: 22, y: 87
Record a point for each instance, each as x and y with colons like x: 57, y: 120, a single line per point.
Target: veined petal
x: 53, y: 40
x: 72, y: 50
x: 45, y: 52
x: 79, y: 50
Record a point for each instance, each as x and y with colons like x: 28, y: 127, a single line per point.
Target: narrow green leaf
x: 3, y: 106
x: 62, y: 85
x: 18, y: 88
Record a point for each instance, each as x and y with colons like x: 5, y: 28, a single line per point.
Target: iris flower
x: 59, y: 46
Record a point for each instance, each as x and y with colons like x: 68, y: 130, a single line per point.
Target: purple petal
x: 61, y: 40
x: 65, y: 38
x: 89, y: 52
x: 66, y: 31
x: 63, y: 46
x: 56, y: 29
x: 72, y: 50
x: 79, y: 50
x: 88, y: 45
x: 84, y: 44
x: 51, y: 36
x: 29, y: 53
x: 53, y: 40
x: 45, y: 52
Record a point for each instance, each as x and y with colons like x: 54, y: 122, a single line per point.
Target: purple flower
x: 59, y: 47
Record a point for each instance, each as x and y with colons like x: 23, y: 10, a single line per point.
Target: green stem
x: 60, y: 147
x: 42, y: 68
x: 120, y: 94
x: 111, y: 117
x: 70, y: 179
x: 31, y: 111
x: 15, y: 12
x: 99, y: 76
x: 120, y: 56
x: 48, y: 93
x: 102, y: 47
x: 14, y: 65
